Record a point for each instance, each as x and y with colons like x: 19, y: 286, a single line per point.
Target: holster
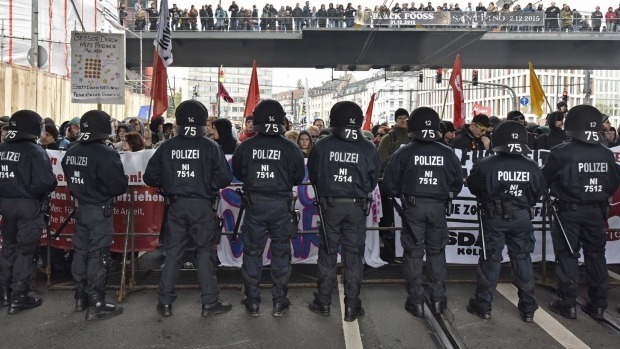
x: 499, y: 207
x: 368, y: 204
x: 216, y: 201
x: 448, y: 205
x: 45, y: 208
x: 407, y: 201
x: 295, y: 216
x: 108, y: 208
x: 219, y: 225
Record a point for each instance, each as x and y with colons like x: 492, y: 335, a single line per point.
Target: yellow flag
x: 536, y: 92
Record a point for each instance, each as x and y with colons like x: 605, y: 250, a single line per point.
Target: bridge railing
x: 536, y: 21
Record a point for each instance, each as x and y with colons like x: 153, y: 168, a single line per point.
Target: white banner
x: 463, y: 244
x: 97, y: 68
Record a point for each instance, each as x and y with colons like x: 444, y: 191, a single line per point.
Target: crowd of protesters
x: 294, y: 18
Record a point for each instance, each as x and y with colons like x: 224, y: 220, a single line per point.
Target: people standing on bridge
x: 425, y: 175
x: 321, y: 16
x: 26, y: 180
x: 597, y: 17
x: 506, y: 185
x: 583, y: 175
x: 153, y: 17
x: 610, y: 19
x: 344, y: 167
x: 233, y: 9
x: 269, y: 165
x: 94, y: 198
x: 190, y: 169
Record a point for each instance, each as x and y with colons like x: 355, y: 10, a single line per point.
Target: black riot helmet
x: 345, y: 120
x: 269, y: 118
x: 25, y: 124
x: 510, y: 137
x: 583, y: 123
x: 94, y: 125
x: 191, y: 118
x: 424, y: 124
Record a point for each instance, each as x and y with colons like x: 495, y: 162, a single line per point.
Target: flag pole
x: 219, y: 76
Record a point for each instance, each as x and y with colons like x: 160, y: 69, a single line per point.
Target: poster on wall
x: 97, y: 68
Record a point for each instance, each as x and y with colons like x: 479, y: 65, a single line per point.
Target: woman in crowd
x: 304, y: 141
x: 221, y: 132
x: 50, y: 140
x: 381, y: 132
x: 292, y: 135
x: 123, y: 130
x: 133, y: 142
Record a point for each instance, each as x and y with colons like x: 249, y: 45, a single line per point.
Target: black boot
x: 438, y: 308
x: 81, y: 301
x: 22, y: 301
x: 99, y: 309
x: 561, y: 308
x: 416, y: 310
x: 477, y: 308
x: 5, y: 296
x: 595, y: 312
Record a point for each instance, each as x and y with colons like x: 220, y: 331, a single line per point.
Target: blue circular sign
x: 525, y: 101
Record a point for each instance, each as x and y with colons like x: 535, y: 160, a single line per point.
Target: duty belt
x: 572, y: 206
x: 425, y: 200
x: 341, y: 199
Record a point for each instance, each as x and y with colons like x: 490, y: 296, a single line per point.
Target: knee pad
x: 281, y: 248
x: 418, y: 253
x: 435, y: 251
x: 252, y: 252
x: 518, y: 256
x: 594, y: 255
x: 103, y: 254
x: 495, y: 258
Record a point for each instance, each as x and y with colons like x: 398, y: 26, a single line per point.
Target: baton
x: 554, y: 212
x: 164, y: 218
x: 403, y: 218
x: 239, y: 216
x: 63, y: 225
x: 481, y: 228
x: 317, y: 204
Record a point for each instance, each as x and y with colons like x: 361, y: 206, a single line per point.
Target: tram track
x: 447, y: 335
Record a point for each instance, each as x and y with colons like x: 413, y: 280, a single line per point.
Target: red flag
x: 456, y: 82
x: 253, y: 93
x: 480, y: 109
x: 222, y: 93
x: 162, y: 58
x: 368, y: 116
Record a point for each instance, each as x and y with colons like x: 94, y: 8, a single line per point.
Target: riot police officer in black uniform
x: 345, y: 169
x: 582, y: 175
x: 506, y: 184
x: 426, y: 175
x: 95, y: 177
x: 190, y: 169
x: 269, y: 166
x: 26, y: 179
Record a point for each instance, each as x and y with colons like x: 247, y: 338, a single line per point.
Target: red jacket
x: 245, y: 135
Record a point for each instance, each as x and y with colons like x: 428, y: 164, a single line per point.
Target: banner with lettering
x: 463, y: 246
x: 455, y: 18
x: 97, y: 68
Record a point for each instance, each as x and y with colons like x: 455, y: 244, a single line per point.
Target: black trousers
x: 584, y: 228
x: 427, y: 219
x: 518, y: 235
x: 92, y: 240
x: 345, y: 225
x: 190, y: 218
x: 22, y: 227
x: 267, y: 218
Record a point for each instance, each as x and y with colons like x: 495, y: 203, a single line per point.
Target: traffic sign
x: 525, y: 101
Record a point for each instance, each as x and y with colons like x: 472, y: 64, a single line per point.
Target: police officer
x: 190, y: 169
x: 425, y: 174
x: 95, y: 176
x: 26, y: 179
x: 269, y: 166
x: 506, y: 185
x: 582, y: 175
x: 345, y: 169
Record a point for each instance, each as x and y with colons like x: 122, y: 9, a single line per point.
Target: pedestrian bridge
x: 384, y: 48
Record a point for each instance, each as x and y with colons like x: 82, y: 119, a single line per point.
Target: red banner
x: 480, y: 109
x: 148, y: 208
x: 456, y: 81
